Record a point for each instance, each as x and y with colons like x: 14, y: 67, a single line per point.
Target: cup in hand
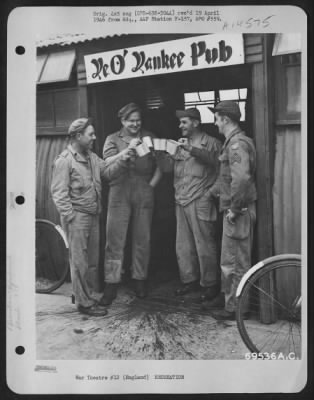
x: 142, y: 149
x: 148, y: 141
x: 172, y: 146
x: 160, y: 144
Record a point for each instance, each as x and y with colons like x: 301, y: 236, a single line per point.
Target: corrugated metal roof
x: 66, y: 39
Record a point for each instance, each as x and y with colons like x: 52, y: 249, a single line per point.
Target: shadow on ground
x: 160, y: 327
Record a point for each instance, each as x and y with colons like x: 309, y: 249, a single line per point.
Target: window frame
x: 283, y: 117
x: 213, y: 103
x: 55, y: 129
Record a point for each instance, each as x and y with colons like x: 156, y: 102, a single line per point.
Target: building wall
x: 287, y: 168
x: 255, y: 65
x: 47, y: 149
x: 287, y: 191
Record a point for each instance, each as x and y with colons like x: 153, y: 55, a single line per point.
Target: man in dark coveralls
x: 131, y: 196
x: 236, y: 190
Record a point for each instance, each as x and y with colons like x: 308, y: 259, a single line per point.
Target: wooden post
x: 81, y: 79
x: 263, y: 133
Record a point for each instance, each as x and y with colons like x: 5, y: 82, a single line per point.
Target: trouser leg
x: 118, y: 217
x: 236, y: 254
x: 141, y: 231
x: 203, y: 223
x: 78, y: 233
x: 185, y: 247
x: 93, y: 254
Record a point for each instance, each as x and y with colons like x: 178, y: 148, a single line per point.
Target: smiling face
x: 220, y: 122
x: 132, y: 123
x: 86, y: 138
x: 188, y: 126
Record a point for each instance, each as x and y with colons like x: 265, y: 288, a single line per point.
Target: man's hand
x: 128, y: 154
x: 187, y: 147
x: 133, y: 143
x: 231, y: 217
x: 184, y: 143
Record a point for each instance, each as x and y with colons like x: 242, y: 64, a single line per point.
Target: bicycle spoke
x: 271, y: 297
x: 277, y: 328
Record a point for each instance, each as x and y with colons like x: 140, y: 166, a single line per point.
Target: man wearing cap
x: 131, y: 198
x: 76, y: 192
x: 236, y: 190
x: 196, y: 168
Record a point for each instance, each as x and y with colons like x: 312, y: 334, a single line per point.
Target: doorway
x: 159, y: 97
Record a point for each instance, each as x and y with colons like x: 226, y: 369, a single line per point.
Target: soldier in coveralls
x: 196, y: 168
x: 76, y: 192
x: 131, y: 196
x: 236, y: 190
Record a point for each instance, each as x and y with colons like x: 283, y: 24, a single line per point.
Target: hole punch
x: 20, y: 200
x: 19, y: 350
x: 20, y: 50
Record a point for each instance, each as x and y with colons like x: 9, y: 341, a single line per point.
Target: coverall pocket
x: 197, y: 170
x: 241, y: 227
x: 77, y: 180
x: 205, y: 209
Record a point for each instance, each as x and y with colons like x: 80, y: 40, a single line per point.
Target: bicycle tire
x: 52, y: 256
x: 263, y: 288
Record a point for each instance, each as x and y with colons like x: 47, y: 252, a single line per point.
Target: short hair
x: 128, y: 109
x: 230, y: 116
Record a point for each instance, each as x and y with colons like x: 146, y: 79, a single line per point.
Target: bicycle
x: 270, y: 293
x: 52, y: 256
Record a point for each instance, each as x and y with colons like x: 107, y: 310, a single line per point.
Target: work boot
x: 209, y: 293
x: 94, y: 310
x: 217, y: 303
x: 187, y: 288
x: 224, y: 315
x: 140, y: 288
x: 109, y: 295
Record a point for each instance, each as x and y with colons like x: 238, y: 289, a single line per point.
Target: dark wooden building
x: 267, y: 85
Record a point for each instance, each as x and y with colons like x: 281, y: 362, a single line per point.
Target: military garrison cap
x: 189, y: 112
x: 128, y: 109
x: 228, y: 107
x: 79, y: 125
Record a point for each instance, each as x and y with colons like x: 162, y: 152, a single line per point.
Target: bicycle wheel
x: 52, y: 260
x: 271, y: 293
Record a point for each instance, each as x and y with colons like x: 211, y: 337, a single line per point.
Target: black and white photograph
x: 166, y: 200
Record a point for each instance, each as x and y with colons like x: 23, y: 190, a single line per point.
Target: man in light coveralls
x: 76, y: 192
x: 130, y: 201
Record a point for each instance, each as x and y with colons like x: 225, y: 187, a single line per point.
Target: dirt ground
x: 160, y: 327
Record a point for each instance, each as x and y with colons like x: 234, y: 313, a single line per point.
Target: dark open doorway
x: 159, y: 96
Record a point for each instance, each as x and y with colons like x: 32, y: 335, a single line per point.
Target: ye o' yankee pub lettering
x: 193, y: 53
x: 141, y: 62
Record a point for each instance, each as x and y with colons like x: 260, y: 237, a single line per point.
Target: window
x: 56, y: 109
x: 288, y: 89
x: 203, y: 100
x: 237, y: 95
x: 55, y: 67
x: 287, y: 43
